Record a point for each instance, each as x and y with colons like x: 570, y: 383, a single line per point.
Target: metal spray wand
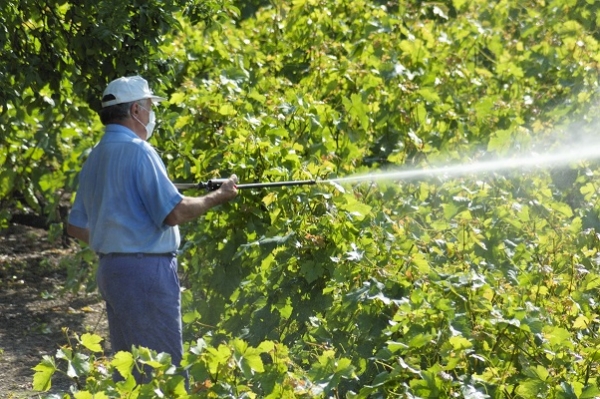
x: 214, y: 184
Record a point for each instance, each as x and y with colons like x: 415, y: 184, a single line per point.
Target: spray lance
x: 214, y: 184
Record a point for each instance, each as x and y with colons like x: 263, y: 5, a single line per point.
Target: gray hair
x: 115, y: 113
x: 118, y: 112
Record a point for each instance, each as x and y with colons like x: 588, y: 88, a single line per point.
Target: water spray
x: 532, y: 161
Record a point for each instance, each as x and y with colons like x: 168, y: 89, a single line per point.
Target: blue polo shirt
x: 124, y: 196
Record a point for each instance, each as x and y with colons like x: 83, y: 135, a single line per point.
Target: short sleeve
x: 78, y: 216
x: 158, y: 194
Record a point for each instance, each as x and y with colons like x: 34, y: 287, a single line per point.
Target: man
x: 128, y: 211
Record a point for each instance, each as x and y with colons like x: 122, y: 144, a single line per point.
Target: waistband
x: 137, y: 255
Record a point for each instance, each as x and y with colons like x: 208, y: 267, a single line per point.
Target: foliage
x: 478, y: 287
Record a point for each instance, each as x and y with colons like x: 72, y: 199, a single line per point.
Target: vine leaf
x: 123, y: 362
x: 42, y: 379
x: 92, y: 342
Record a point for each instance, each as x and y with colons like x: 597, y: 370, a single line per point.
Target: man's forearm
x: 192, y: 207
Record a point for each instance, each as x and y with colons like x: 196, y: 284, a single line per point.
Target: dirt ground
x: 34, y: 309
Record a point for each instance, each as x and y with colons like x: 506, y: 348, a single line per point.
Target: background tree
x: 57, y: 58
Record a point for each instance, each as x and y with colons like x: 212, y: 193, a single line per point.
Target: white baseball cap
x: 126, y: 90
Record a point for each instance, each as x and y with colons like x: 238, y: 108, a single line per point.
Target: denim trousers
x: 143, y: 303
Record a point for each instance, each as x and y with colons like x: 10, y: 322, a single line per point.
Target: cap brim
x: 156, y: 99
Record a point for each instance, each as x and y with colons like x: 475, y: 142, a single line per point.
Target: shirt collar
x: 120, y: 129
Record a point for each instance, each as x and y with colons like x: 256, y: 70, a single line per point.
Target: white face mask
x: 151, y: 123
x: 150, y: 126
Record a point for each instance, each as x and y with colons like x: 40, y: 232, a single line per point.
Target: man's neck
x: 135, y: 127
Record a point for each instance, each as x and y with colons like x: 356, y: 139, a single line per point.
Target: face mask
x: 150, y: 126
x: 151, y: 123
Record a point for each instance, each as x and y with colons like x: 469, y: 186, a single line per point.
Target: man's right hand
x: 228, y: 188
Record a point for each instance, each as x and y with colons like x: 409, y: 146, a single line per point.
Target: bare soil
x: 36, y: 314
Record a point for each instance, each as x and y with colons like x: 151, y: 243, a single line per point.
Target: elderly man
x: 127, y: 210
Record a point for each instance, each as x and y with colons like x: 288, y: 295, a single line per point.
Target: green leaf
x: 591, y: 391
x: 562, y: 208
x: 79, y: 367
x: 429, y: 95
x: 460, y: 343
x: 558, y: 337
x: 257, y: 96
x: 92, y: 342
x: 84, y: 395
x: 344, y: 367
x: 356, y: 209
x: 199, y: 348
x: 190, y: 317
x: 582, y: 322
x: 459, y: 3
x: 483, y: 108
x: 277, y: 240
x: 357, y: 109
x: 123, y: 362
x: 419, y: 340
x: 429, y: 386
x: 266, y: 346
x: 177, y: 98
x: 567, y: 391
x: 500, y: 141
x: 219, y: 357
x: 538, y: 372
x: 251, y: 363
x: 421, y: 262
x: 42, y: 379
x: 227, y: 110
x: 396, y: 346
x: 7, y: 178
x: 450, y: 210
x: 532, y: 388
x: 420, y: 112
x: 311, y: 270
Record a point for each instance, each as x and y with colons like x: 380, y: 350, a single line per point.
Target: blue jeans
x: 143, y: 303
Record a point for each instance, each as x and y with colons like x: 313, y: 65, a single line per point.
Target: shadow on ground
x: 35, y: 313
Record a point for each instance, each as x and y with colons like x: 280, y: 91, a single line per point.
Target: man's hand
x: 228, y: 189
x: 80, y: 233
x: 192, y: 207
